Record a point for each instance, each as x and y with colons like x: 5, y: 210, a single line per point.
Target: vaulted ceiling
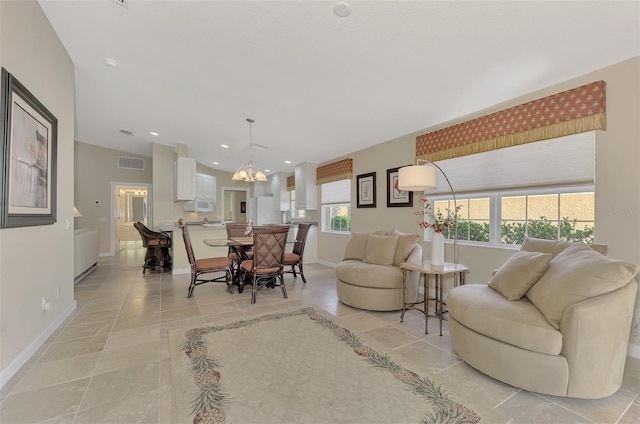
x: 317, y: 85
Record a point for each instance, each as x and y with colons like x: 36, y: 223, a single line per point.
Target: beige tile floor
x: 109, y: 362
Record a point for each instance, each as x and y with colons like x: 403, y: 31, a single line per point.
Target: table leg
x: 425, y: 278
x: 440, y: 299
x: 404, y: 293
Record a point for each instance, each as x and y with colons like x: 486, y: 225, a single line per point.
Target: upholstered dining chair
x: 266, y: 265
x: 157, y: 244
x: 294, y: 258
x: 204, y: 266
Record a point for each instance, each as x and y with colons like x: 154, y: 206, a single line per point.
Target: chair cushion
x: 575, y: 274
x: 518, y: 323
x: 355, y: 247
x: 519, y: 274
x: 210, y: 263
x: 380, y: 250
x: 358, y: 273
x: 291, y: 258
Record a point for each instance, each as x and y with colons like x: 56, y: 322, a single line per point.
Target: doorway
x: 232, y: 204
x: 130, y: 203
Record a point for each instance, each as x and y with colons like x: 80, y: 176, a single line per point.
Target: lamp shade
x: 416, y: 178
x: 76, y: 213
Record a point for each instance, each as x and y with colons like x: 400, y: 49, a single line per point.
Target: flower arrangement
x: 438, y: 221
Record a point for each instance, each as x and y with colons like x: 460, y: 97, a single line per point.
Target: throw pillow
x: 355, y: 247
x: 545, y: 246
x: 576, y: 274
x: 380, y: 250
x: 406, y: 243
x: 519, y: 274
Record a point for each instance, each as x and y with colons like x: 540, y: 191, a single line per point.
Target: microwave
x: 202, y: 205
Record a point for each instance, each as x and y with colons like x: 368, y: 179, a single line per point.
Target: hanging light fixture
x: 249, y: 172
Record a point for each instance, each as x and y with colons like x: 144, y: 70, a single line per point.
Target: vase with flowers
x: 439, y: 222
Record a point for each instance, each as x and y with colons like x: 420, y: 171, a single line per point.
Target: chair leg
x: 192, y: 285
x: 254, y: 289
x: 284, y: 289
x: 304, y: 280
x: 293, y: 270
x: 229, y: 281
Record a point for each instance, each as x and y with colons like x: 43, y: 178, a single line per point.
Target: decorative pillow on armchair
x: 575, y: 274
x: 380, y: 250
x: 355, y: 247
x: 545, y: 246
x: 406, y: 243
x: 519, y: 274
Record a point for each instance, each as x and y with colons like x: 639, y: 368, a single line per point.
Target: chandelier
x: 249, y: 172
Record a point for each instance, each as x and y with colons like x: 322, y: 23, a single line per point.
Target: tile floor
x: 109, y: 362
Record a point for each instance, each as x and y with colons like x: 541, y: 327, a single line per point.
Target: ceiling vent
x: 259, y: 146
x: 130, y: 163
x: 123, y: 3
x: 126, y: 132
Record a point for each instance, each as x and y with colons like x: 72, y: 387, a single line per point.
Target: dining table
x: 240, y: 246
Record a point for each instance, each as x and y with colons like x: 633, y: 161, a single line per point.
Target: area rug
x: 299, y: 366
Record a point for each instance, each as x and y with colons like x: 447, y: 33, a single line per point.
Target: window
x: 296, y: 213
x: 504, y: 218
x: 336, y: 206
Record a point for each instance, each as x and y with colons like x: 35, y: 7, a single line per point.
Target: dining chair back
x: 204, y: 266
x: 294, y: 258
x: 157, y: 244
x: 268, y: 252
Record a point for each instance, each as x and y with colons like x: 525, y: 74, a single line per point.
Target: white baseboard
x: 327, y: 263
x: 33, y: 347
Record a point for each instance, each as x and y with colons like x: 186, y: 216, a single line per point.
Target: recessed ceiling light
x: 215, y: 163
x: 224, y: 146
x: 287, y: 162
x: 267, y: 170
x: 110, y: 62
x: 155, y: 134
x: 342, y: 9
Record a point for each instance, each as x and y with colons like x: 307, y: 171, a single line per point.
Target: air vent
x: 130, y: 163
x: 259, y: 146
x: 126, y: 132
x: 123, y: 3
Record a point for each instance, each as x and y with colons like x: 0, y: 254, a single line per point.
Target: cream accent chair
x: 369, y: 277
x: 555, y: 319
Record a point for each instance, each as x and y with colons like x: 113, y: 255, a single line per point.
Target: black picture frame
x: 243, y: 207
x: 28, y: 154
x: 366, y: 190
x: 397, y: 198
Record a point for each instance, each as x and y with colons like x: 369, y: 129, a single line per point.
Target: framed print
x: 366, y: 190
x: 28, y: 158
x: 395, y: 197
x: 243, y: 207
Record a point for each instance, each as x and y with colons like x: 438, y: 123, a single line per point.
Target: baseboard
x: 177, y: 271
x: 85, y: 273
x: 327, y: 263
x: 33, y: 347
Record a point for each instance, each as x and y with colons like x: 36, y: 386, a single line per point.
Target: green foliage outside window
x: 340, y: 223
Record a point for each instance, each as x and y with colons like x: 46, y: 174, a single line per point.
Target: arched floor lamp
x: 422, y: 178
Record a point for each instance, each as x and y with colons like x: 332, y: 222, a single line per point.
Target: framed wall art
x: 243, y: 207
x: 366, y: 190
x: 28, y: 157
x: 397, y: 198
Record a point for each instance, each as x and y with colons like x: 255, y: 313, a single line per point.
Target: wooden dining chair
x: 266, y: 265
x: 204, y: 266
x: 294, y: 258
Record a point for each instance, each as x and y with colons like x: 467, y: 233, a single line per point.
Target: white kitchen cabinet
x: 206, y: 187
x: 306, y: 189
x: 281, y: 198
x: 185, y: 178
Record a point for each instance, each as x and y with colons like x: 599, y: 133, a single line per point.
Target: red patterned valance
x: 291, y: 183
x: 570, y: 112
x: 336, y: 171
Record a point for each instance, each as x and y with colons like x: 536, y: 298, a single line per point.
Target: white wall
x: 35, y: 261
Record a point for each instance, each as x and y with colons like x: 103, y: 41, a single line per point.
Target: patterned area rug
x: 299, y: 367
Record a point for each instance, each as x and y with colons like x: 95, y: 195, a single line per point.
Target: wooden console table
x: 426, y: 270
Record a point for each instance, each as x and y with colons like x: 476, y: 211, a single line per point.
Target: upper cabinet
x: 185, y: 178
x: 206, y: 187
x: 278, y: 187
x: 306, y: 189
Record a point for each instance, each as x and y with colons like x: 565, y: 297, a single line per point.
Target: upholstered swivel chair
x: 266, y: 265
x: 294, y: 258
x: 204, y: 266
x: 157, y: 244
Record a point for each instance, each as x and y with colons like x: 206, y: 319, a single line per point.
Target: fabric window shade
x: 291, y: 183
x: 570, y: 112
x: 335, y: 171
x: 336, y: 192
x: 566, y: 160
